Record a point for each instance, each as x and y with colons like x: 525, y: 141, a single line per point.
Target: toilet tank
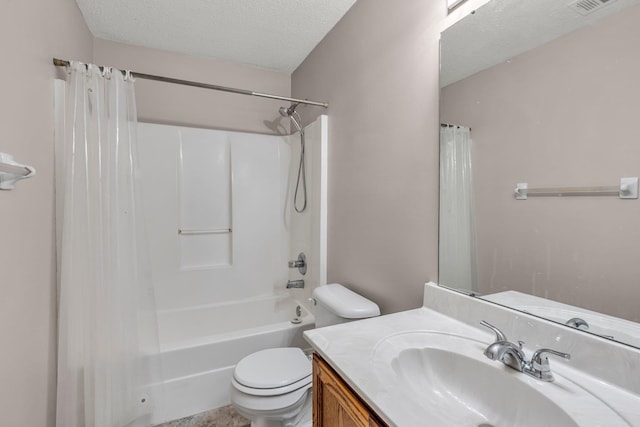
x: 336, y: 304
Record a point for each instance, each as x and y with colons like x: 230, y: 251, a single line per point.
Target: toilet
x: 272, y: 387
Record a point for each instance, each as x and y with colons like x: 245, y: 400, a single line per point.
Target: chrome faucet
x: 578, y: 323
x: 582, y: 325
x: 295, y: 284
x: 503, y: 350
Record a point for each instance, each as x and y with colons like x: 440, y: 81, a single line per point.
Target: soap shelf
x: 12, y: 172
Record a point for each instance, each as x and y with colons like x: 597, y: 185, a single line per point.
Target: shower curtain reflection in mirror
x: 457, y: 265
x: 107, y: 338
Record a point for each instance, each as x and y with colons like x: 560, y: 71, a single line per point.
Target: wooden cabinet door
x: 334, y: 403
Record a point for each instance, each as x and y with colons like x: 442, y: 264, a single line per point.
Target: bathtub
x: 199, y: 348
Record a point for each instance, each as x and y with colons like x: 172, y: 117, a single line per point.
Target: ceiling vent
x: 585, y: 7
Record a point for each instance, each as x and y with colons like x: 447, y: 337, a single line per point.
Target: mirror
x: 545, y: 93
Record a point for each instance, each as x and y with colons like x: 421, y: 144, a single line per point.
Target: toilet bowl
x: 272, y: 387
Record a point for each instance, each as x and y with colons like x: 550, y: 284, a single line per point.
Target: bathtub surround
x: 217, y: 223
x: 221, y: 222
x: 308, y: 230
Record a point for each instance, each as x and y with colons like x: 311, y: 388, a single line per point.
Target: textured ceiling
x: 273, y: 34
x: 502, y: 29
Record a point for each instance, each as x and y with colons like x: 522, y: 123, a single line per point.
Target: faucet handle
x: 300, y: 263
x: 499, y: 335
x: 539, y: 366
x: 540, y: 361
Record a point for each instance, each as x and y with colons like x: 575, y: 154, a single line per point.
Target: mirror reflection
x: 545, y: 94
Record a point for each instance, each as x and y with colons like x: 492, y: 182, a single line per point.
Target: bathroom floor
x: 221, y: 417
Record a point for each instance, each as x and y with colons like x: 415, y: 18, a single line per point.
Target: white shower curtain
x: 107, y: 343
x: 457, y: 245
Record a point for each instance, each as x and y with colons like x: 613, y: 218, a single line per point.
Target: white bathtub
x: 200, y: 347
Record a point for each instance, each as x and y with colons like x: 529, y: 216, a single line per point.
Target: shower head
x: 288, y: 112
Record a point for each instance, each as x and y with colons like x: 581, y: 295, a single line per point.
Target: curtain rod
x: 64, y: 63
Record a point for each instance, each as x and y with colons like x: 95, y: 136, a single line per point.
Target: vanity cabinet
x: 335, y: 403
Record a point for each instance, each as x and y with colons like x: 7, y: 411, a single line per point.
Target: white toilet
x: 272, y: 387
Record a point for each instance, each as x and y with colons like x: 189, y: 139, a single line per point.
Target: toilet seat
x: 272, y: 372
x: 272, y: 391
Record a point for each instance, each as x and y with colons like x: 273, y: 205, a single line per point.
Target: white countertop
x: 350, y: 349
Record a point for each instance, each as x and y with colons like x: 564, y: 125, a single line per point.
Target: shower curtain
x: 457, y: 245
x: 107, y: 333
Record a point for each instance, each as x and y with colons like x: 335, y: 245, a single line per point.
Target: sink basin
x: 445, y: 380
x: 478, y: 394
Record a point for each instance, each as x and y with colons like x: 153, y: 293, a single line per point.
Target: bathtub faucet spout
x: 295, y: 284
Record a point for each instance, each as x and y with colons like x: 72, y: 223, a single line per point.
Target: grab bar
x: 188, y: 231
x: 628, y: 189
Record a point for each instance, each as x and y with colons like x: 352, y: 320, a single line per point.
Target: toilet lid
x: 272, y: 368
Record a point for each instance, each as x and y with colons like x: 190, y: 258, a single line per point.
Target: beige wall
x: 159, y: 102
x: 31, y: 33
x: 378, y: 69
x: 564, y: 114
